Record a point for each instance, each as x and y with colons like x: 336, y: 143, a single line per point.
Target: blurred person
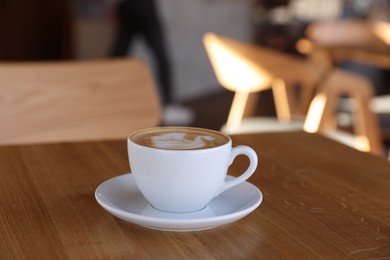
x: 141, y: 18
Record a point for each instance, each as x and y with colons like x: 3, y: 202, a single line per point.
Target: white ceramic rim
x: 229, y: 142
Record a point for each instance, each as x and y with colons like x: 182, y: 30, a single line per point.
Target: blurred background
x: 86, y: 29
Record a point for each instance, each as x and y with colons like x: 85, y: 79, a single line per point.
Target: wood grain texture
x: 322, y: 200
x: 75, y: 100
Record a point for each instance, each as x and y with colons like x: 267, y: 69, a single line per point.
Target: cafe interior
x: 82, y: 71
x: 241, y: 75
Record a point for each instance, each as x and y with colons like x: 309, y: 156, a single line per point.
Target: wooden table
x: 322, y: 200
x: 351, y: 40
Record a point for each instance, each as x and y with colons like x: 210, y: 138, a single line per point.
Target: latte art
x: 181, y: 141
x: 179, y: 138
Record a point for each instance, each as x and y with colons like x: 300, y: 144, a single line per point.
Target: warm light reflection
x: 279, y: 91
x: 362, y: 143
x: 313, y: 117
x: 236, y: 111
x: 304, y: 46
x: 234, y: 71
x: 382, y: 31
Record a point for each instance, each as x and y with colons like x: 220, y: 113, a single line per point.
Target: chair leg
x: 308, y: 92
x: 321, y: 111
x: 367, y: 127
x: 323, y: 108
x: 237, y: 110
x: 251, y: 104
x: 283, y: 98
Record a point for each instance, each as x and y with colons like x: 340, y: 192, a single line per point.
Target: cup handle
x: 251, y: 154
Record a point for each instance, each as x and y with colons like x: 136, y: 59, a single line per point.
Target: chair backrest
x: 75, y: 100
x: 229, y: 56
x: 234, y: 66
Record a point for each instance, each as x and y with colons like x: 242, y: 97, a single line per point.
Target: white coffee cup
x: 176, y: 173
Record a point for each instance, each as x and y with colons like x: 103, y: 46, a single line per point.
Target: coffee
x: 179, y: 138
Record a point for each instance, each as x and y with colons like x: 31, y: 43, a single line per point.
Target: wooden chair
x: 350, y: 40
x: 245, y: 68
x: 321, y: 116
x: 75, y: 100
x: 248, y: 69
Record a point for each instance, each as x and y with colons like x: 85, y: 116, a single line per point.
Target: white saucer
x: 121, y: 197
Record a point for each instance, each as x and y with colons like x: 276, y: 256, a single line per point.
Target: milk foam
x: 176, y: 140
